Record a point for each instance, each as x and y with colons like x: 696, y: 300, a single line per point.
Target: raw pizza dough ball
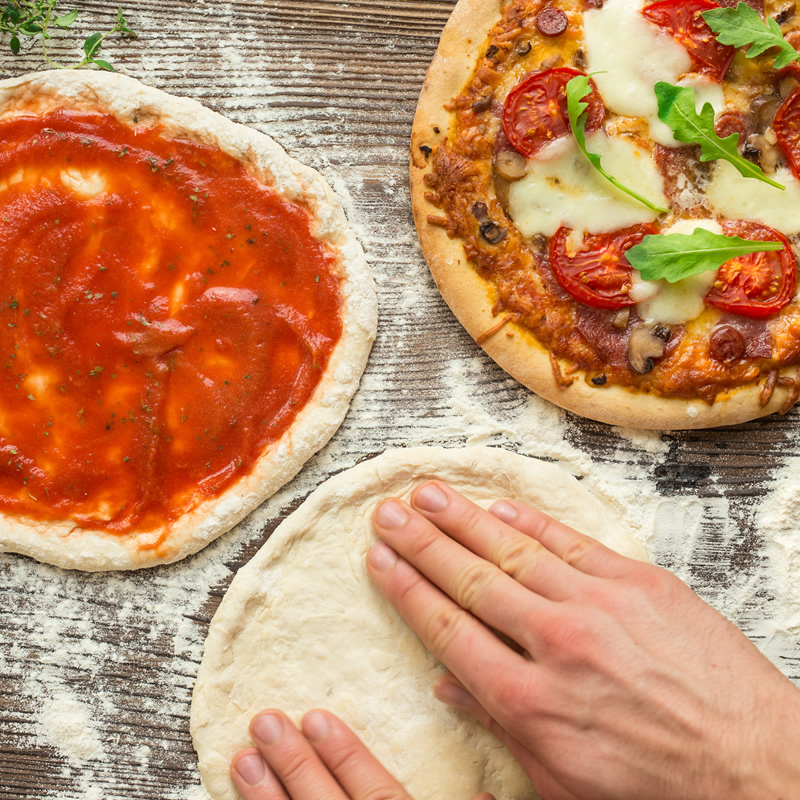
x: 302, y: 626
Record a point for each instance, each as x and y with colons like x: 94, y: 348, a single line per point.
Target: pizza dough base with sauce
x: 471, y: 298
x: 63, y: 543
x: 302, y: 626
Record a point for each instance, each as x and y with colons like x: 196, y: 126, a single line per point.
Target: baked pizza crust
x: 302, y: 626
x: 63, y: 543
x: 471, y: 298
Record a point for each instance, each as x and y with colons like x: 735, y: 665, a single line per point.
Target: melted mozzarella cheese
x: 630, y: 55
x: 86, y: 183
x: 567, y: 190
x: 731, y: 195
x: 682, y: 301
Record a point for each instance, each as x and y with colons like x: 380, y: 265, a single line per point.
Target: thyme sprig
x: 34, y: 18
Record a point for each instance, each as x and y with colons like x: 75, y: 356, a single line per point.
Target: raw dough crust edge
x: 230, y: 688
x: 62, y: 543
x: 471, y: 298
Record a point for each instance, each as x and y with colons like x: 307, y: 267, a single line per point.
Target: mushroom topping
x: 787, y: 86
x: 765, y: 107
x: 726, y: 344
x: 758, y: 147
x: 647, y: 342
x: 785, y: 14
x: 579, y: 59
x: 490, y: 230
x: 510, y: 165
x: 483, y: 104
x: 523, y: 48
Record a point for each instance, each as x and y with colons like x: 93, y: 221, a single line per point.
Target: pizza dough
x: 302, y: 626
x: 63, y: 541
x: 473, y: 298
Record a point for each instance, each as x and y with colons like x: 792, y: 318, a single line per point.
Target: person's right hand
x: 629, y: 687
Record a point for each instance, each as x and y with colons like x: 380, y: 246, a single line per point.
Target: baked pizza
x: 608, y: 195
x: 185, y: 317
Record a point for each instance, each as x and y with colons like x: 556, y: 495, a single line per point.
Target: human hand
x: 324, y: 760
x: 630, y: 686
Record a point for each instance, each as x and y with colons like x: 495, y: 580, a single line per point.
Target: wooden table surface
x: 96, y: 671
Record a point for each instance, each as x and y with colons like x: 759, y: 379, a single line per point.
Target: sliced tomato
x: 535, y: 112
x: 597, y: 273
x: 787, y: 128
x: 759, y: 284
x: 683, y: 21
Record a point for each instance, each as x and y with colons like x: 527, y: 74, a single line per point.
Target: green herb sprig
x: 577, y: 89
x: 33, y: 18
x: 675, y: 256
x: 676, y: 108
x: 743, y: 26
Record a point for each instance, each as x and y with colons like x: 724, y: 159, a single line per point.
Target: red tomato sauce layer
x: 163, y: 318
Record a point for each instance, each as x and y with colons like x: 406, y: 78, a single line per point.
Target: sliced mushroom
x: 523, y: 48
x: 764, y: 108
x: 510, y: 165
x: 490, y: 230
x: 785, y: 13
x: 646, y: 343
x: 483, y: 104
x: 787, y: 86
x: 759, y: 148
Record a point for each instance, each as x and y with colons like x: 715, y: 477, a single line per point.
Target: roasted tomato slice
x: 596, y: 272
x: 682, y: 20
x: 787, y: 128
x: 759, y: 284
x: 535, y: 112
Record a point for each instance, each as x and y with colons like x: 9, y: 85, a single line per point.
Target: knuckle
x: 295, y: 764
x: 472, y: 585
x: 385, y: 793
x: 571, y: 636
x: 577, y: 549
x: 516, y: 556
x: 443, y: 627
x: 341, y: 759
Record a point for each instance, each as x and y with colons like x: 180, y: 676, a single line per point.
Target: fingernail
x: 382, y: 557
x: 315, y: 726
x: 430, y: 498
x: 391, y: 515
x: 251, y: 768
x: 268, y: 728
x: 504, y: 511
x: 452, y: 695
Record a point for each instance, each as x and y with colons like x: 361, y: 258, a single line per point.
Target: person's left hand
x: 323, y: 761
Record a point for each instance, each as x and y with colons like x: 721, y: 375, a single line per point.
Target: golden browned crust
x: 473, y: 299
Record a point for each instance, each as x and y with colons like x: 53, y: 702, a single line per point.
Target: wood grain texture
x: 336, y: 84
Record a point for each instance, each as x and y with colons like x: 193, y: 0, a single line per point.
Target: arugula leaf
x: 742, y: 26
x: 577, y: 89
x: 676, y: 108
x: 675, y: 256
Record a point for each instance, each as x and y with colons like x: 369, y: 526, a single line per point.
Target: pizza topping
x: 595, y: 270
x: 561, y: 188
x: 725, y: 344
x: 675, y: 255
x: 677, y: 108
x: 627, y: 56
x: 169, y: 318
x: 758, y: 284
x: 490, y: 230
x: 787, y: 130
x: 535, y: 111
x: 510, y: 165
x: 577, y: 107
x: 743, y: 26
x: 647, y: 342
x: 683, y: 20
x: 551, y: 21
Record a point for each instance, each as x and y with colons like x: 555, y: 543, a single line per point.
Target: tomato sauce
x: 163, y: 318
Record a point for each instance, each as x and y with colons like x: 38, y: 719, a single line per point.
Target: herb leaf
x: 577, y: 89
x: 742, y: 26
x: 36, y: 17
x: 676, y: 108
x: 675, y: 256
